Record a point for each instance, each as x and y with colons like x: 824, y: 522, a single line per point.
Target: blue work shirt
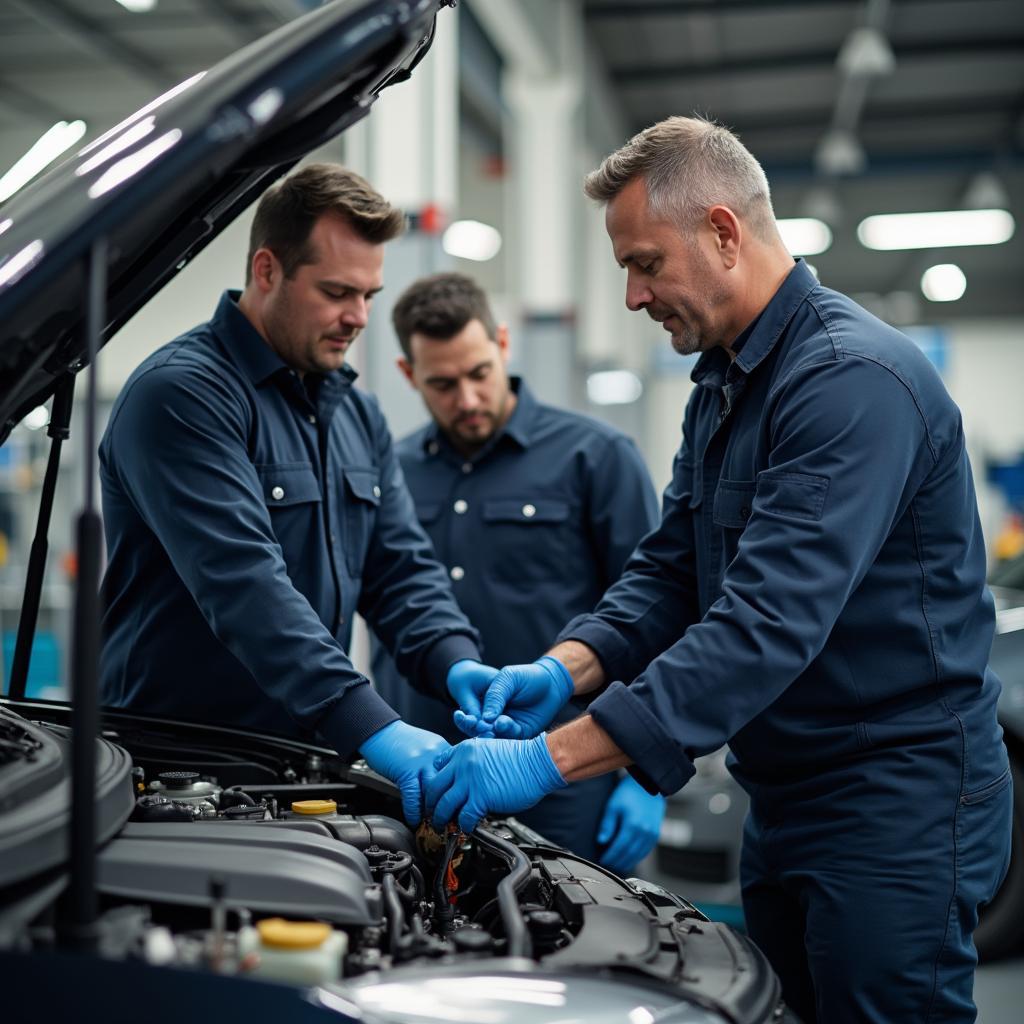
x: 532, y: 529
x: 248, y: 517
x: 816, y: 588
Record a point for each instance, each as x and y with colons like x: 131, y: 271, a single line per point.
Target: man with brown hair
x: 534, y: 510
x: 253, y: 504
x: 815, y: 595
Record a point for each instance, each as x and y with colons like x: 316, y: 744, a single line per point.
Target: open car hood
x: 167, y: 180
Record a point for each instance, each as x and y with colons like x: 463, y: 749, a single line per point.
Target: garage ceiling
x: 942, y: 127
x: 950, y: 108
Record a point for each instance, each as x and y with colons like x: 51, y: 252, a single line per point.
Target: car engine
x: 240, y: 855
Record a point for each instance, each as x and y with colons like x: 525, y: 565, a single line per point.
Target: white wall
x: 985, y: 376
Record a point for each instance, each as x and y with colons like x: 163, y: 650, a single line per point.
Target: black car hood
x: 165, y: 182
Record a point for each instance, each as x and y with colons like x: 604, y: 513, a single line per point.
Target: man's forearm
x: 581, y: 749
x: 582, y: 663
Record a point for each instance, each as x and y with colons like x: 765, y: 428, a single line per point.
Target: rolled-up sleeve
x: 187, y: 472
x: 849, y: 448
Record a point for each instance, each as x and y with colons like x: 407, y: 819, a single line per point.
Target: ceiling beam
x: 683, y: 8
x: 236, y: 20
x: 24, y: 104
x: 808, y: 60
x: 83, y: 32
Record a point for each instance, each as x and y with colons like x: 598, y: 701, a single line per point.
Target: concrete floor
x: 999, y: 992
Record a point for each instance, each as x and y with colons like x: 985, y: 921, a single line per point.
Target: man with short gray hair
x: 815, y: 595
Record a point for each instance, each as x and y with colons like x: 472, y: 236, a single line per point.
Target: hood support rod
x: 82, y: 932
x: 60, y: 420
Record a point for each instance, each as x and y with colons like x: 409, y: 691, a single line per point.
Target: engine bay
x: 237, y: 855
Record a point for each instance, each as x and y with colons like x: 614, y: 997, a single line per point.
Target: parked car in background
x: 699, y: 847
x: 165, y: 871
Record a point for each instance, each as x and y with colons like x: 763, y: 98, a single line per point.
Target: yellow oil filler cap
x: 281, y: 934
x: 314, y: 807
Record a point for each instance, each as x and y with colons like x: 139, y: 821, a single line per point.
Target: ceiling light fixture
x: 937, y: 230
x: 614, y: 387
x: 944, y: 282
x: 50, y: 145
x: 471, y: 240
x: 805, y: 236
x: 138, y: 6
x: 839, y: 152
x: 866, y: 53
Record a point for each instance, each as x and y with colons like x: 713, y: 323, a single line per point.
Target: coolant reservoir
x: 301, y: 952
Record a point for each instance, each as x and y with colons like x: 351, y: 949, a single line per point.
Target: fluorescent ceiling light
x: 614, y: 387
x: 37, y: 418
x: 944, y: 282
x: 935, y: 230
x: 805, y: 236
x: 471, y: 240
x: 138, y: 6
x: 58, y: 139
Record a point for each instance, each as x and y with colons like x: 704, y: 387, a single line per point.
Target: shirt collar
x: 251, y: 352
x: 518, y: 428
x: 759, y: 337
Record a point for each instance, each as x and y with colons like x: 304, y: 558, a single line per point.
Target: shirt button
x: 433, y: 447
x: 312, y: 419
x: 529, y: 511
x: 376, y: 491
x: 457, y: 572
x: 460, y: 507
x: 277, y: 493
x: 467, y: 467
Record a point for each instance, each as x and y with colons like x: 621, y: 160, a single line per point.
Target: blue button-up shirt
x: 248, y: 517
x: 533, y: 528
x: 817, y: 584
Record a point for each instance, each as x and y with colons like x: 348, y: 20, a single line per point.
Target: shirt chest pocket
x: 526, y: 540
x: 734, y: 502
x: 287, y: 484
x: 293, y: 497
x: 362, y: 501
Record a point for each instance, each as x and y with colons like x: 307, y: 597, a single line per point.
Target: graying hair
x: 689, y: 164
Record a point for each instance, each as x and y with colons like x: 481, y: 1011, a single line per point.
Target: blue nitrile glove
x: 405, y: 755
x: 523, y: 699
x: 482, y: 775
x: 629, y: 826
x: 467, y: 683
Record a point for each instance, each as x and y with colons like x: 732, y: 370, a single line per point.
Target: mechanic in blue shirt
x: 815, y: 595
x: 534, y: 511
x: 253, y: 503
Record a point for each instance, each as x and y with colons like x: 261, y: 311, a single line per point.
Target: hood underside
x: 167, y: 180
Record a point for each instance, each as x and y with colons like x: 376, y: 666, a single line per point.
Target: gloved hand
x: 467, y: 683
x: 405, y: 755
x: 629, y: 826
x: 522, y: 700
x: 482, y: 775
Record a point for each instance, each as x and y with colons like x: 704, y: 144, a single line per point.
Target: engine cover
x: 267, y: 870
